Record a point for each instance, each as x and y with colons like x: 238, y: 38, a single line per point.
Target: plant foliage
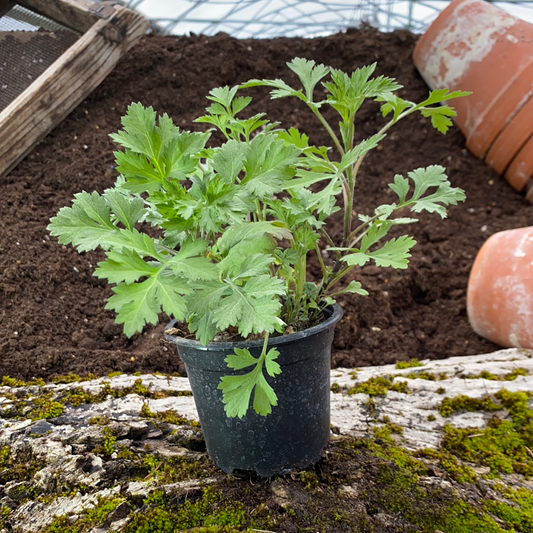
x: 235, y: 223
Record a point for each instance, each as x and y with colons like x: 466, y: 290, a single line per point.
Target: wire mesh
x: 291, y: 18
x: 29, y: 44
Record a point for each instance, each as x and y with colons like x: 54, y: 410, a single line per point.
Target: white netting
x: 290, y: 18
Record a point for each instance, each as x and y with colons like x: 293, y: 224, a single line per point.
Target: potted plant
x: 218, y: 236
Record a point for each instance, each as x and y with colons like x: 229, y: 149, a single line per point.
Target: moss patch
x: 379, y: 386
x: 504, y: 445
x: 408, y: 364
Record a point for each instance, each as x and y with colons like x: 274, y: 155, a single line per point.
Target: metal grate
x: 291, y: 18
x: 29, y: 44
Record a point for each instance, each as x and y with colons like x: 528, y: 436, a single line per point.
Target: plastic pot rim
x: 335, y: 314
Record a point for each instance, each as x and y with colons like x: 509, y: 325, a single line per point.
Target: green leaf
x: 126, y: 208
x: 264, y: 397
x: 400, y: 187
x: 141, y: 134
x: 375, y: 233
x: 395, y: 104
x: 138, y: 304
x: 241, y: 359
x: 248, y: 257
x: 269, y: 164
x: 229, y: 160
x: 309, y: 73
x: 394, y: 253
x: 271, y: 365
x: 135, y: 305
x: 439, y: 117
x: 248, y: 232
x: 140, y: 174
x: 123, y: 267
x: 442, y: 95
x: 281, y: 89
x: 237, y: 389
x: 201, y: 305
x: 84, y: 225
x: 350, y: 157
x: 356, y: 287
x: 253, y: 307
x: 191, y: 263
x: 179, y: 158
x: 223, y: 95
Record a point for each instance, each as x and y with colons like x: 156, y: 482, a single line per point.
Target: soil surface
x: 52, y: 316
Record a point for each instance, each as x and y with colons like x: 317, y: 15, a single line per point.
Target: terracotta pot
x: 474, y: 46
x: 529, y: 191
x: 500, y: 289
x: 511, y: 139
x: 520, y: 170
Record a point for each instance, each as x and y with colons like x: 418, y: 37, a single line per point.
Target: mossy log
x: 412, y: 445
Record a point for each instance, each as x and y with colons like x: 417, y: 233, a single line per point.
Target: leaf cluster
x: 219, y: 236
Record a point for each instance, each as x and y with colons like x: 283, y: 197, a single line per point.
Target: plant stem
x: 299, y: 281
x: 321, y: 261
x: 324, y: 122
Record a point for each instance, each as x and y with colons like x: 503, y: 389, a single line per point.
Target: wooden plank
x: 27, y: 119
x: 5, y: 6
x: 76, y: 14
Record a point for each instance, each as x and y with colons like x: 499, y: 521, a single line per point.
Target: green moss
x: 44, y: 407
x: 20, y: 466
x: 465, y: 403
x: 503, y: 445
x: 208, y: 511
x: 429, y: 376
x: 432, y: 418
x: 12, y: 382
x: 112, y: 375
x: 309, y: 479
x: 4, y: 514
x: 88, y: 518
x: 335, y: 387
x: 379, y: 386
x: 397, y: 490
x: 107, y: 448
x: 518, y: 513
x: 73, y: 378
x: 510, y: 376
x: 99, y: 420
x: 408, y: 364
x: 170, y: 416
x: 448, y: 462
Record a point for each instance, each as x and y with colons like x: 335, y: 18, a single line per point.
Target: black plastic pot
x: 297, y: 430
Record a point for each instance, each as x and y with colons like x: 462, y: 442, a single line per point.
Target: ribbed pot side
x: 296, y: 432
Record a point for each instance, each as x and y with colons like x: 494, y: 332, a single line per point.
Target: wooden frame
x: 108, y: 32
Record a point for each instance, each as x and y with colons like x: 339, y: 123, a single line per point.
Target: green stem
x: 321, y: 261
x: 328, y: 128
x: 299, y: 281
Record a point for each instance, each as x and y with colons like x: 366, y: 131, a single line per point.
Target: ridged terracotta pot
x: 510, y: 142
x: 474, y: 46
x: 500, y: 289
x: 520, y: 172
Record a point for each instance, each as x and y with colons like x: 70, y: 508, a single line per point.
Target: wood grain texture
x: 75, y: 14
x: 65, y: 84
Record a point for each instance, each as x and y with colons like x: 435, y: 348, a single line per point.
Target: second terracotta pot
x: 500, y: 289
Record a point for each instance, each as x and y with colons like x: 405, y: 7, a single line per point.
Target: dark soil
x: 52, y: 313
